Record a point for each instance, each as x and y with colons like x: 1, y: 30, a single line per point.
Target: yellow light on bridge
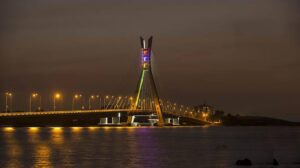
x: 34, y: 95
x: 76, y: 96
x: 8, y: 94
x: 106, y: 128
x: 33, y: 129
x: 92, y: 128
x: 204, y: 115
x: 8, y: 129
x: 217, y: 122
x: 57, y: 96
x: 76, y: 129
x: 119, y: 128
x: 56, y: 129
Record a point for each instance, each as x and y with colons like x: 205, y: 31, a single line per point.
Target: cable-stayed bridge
x: 146, y: 101
x: 116, y: 105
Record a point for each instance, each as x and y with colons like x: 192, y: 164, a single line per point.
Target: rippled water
x: 148, y: 147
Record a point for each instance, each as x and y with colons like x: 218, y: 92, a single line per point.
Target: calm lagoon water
x: 170, y: 147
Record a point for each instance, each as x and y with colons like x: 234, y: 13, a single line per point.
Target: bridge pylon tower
x: 146, y: 92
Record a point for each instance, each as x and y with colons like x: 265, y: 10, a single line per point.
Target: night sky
x: 241, y: 56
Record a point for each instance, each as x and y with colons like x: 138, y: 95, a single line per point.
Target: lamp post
x: 8, y: 95
x: 98, y: 98
x: 75, y: 97
x: 106, y: 97
x: 32, y: 96
x: 100, y: 102
x: 56, y: 96
x: 91, y: 98
x: 40, y: 103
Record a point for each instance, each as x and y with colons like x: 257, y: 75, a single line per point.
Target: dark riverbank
x: 256, y: 121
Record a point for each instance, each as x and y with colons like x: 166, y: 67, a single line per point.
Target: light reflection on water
x: 13, y: 149
x: 147, y: 147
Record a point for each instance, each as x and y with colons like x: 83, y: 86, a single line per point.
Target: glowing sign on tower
x: 146, y: 54
x: 146, y: 58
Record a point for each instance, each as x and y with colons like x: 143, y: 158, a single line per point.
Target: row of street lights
x: 92, y: 98
x: 77, y: 97
x: 57, y: 96
x: 32, y: 97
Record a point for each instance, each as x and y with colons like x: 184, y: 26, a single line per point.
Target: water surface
x: 148, y: 147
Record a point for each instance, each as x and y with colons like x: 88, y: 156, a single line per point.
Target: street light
x: 75, y: 97
x: 8, y: 95
x: 56, y: 96
x: 33, y: 96
x: 90, y: 98
x: 106, y: 97
x: 98, y: 96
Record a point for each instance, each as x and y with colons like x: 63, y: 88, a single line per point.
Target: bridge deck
x: 87, y: 112
x: 69, y: 112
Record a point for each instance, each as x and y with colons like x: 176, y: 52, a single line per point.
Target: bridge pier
x: 130, y: 119
x: 172, y: 121
x: 103, y: 120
